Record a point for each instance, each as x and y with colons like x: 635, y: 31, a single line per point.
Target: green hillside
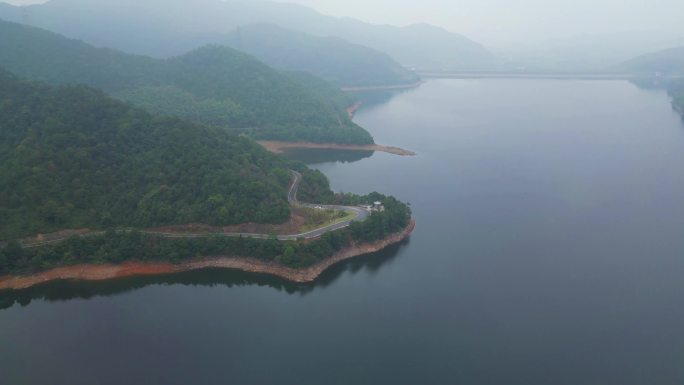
x: 333, y: 59
x: 74, y: 158
x: 213, y: 85
x: 667, y: 62
x: 677, y: 92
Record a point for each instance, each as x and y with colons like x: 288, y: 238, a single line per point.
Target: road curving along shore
x: 250, y: 265
x: 96, y: 272
x: 360, y: 215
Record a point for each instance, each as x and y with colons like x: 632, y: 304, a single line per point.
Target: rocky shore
x: 280, y: 147
x: 252, y: 265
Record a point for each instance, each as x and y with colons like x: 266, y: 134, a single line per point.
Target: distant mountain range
x: 331, y: 58
x: 73, y: 157
x: 666, y: 62
x: 167, y: 28
x: 587, y: 52
x: 214, y: 85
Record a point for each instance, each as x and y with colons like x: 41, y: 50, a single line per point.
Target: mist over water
x: 548, y: 250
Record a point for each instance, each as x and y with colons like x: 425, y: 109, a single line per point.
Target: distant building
x: 376, y: 206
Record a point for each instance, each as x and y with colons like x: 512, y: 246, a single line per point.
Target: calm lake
x: 549, y: 250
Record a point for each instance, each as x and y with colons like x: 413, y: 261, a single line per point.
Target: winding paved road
x: 360, y: 215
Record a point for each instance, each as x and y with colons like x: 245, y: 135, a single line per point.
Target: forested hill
x: 164, y: 28
x: 333, y: 59
x: 214, y: 85
x: 677, y: 92
x: 667, y: 62
x: 73, y: 157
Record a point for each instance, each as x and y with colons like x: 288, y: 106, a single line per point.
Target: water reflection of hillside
x: 370, y: 99
x: 321, y: 155
x: 68, y: 290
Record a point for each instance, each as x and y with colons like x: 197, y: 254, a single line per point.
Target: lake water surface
x: 549, y: 250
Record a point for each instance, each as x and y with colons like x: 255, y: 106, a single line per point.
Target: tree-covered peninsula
x: 74, y: 158
x: 213, y: 85
x: 677, y: 92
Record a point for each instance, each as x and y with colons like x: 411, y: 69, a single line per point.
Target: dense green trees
x: 314, y: 187
x: 115, y: 246
x: 119, y: 246
x: 677, y: 92
x: 393, y: 219
x: 212, y: 85
x: 73, y: 158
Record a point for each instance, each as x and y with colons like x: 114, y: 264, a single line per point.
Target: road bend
x: 360, y: 215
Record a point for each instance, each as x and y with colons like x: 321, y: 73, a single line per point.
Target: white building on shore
x: 376, y: 206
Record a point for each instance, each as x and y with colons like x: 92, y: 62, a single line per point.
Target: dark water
x: 315, y: 156
x: 549, y: 250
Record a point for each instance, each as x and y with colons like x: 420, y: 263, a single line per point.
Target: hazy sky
x: 500, y: 22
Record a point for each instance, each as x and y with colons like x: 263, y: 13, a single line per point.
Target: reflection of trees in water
x: 324, y: 155
x: 368, y: 99
x: 375, y: 98
x: 68, y: 290
x: 651, y: 83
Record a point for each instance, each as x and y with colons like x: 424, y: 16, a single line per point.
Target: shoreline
x: 678, y: 108
x: 249, y: 265
x: 391, y: 87
x: 352, y: 109
x: 278, y: 147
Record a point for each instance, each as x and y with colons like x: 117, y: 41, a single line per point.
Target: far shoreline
x: 278, y: 147
x: 389, y: 87
x: 107, y: 272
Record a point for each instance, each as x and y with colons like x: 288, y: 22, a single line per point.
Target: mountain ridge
x: 214, y: 85
x: 331, y: 58
x: 182, y: 25
x: 668, y: 62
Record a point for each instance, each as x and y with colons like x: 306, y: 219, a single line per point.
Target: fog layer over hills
x: 166, y: 28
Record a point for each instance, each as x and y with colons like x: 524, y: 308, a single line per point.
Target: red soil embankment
x: 280, y: 147
x: 129, y: 269
x: 352, y: 110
